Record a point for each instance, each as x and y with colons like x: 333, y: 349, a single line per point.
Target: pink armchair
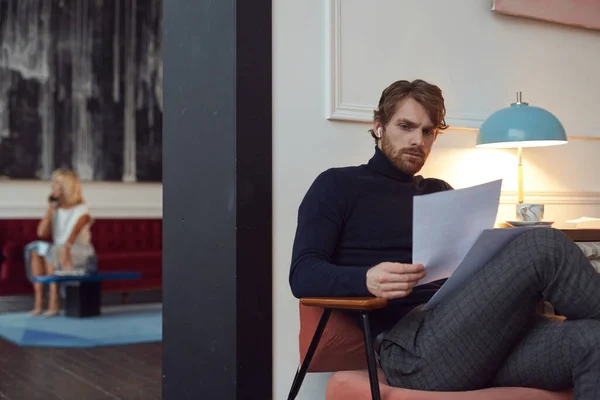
x: 330, y: 342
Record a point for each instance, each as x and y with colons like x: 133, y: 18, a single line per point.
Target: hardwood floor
x: 120, y: 372
x: 128, y: 372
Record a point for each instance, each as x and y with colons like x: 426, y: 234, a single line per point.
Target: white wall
x: 28, y: 199
x: 385, y: 40
x: 479, y: 58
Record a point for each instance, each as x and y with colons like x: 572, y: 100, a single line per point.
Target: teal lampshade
x: 521, y: 125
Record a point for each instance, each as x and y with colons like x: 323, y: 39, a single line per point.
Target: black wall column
x: 217, y: 240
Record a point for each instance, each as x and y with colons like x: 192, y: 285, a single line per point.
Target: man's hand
x: 393, y: 280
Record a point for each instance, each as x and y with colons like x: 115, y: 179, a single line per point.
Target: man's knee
x: 543, y: 236
x: 583, y: 338
x: 547, y: 245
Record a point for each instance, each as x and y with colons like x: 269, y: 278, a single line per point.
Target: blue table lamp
x: 518, y: 126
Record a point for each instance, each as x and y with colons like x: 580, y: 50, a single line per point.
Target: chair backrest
x: 341, y: 347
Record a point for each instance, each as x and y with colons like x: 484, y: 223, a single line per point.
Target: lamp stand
x: 520, y: 176
x: 533, y: 213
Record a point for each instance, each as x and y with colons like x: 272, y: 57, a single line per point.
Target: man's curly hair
x: 426, y: 94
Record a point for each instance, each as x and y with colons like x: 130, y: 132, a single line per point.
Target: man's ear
x: 376, y: 128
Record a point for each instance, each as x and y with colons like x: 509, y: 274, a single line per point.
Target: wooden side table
x: 583, y: 235
x: 589, y: 242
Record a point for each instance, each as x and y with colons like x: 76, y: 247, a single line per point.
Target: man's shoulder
x: 435, y: 184
x: 336, y: 180
x: 340, y: 173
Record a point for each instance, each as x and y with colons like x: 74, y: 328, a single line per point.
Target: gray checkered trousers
x: 487, y: 333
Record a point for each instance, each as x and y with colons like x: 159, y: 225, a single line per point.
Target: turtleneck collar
x: 381, y: 164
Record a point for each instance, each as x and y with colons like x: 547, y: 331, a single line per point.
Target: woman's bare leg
x: 54, y: 300
x: 37, y: 269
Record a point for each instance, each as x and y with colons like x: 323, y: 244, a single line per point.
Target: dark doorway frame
x: 217, y: 199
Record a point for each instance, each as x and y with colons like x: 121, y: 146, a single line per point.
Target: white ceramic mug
x: 530, y: 212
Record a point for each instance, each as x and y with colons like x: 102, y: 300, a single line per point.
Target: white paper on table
x: 487, y: 245
x: 586, y: 223
x: 447, y: 224
x: 583, y: 219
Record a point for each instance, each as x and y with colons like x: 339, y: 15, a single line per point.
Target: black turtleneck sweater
x: 352, y: 219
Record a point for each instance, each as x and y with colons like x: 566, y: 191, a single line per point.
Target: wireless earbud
x: 379, y: 133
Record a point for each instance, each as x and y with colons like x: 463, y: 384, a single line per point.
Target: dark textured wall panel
x: 81, y: 87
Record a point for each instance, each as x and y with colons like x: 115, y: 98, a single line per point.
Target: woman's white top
x: 63, y: 222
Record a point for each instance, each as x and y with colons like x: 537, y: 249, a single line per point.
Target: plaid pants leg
x: 555, y: 354
x: 463, y: 342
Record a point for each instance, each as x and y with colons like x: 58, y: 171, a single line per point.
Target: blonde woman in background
x: 68, y: 249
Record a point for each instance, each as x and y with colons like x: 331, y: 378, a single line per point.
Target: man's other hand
x: 393, y: 280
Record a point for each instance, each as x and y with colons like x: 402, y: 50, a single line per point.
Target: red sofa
x: 121, y: 245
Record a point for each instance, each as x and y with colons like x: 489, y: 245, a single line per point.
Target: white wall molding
x: 335, y: 109
x: 338, y: 110
x: 553, y: 198
x: 27, y: 199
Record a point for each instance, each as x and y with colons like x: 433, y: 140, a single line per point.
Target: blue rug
x: 115, y: 326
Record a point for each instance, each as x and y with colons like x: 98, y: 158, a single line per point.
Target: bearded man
x: 354, y: 239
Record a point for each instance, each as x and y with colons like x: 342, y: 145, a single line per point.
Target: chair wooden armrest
x: 346, y: 303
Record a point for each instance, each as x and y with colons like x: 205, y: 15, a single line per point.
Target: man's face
x: 407, y: 138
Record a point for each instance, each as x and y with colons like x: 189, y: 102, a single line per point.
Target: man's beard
x: 400, y: 157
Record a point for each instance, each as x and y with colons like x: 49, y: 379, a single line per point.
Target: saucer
x: 529, y: 223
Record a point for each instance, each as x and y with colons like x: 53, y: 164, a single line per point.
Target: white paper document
x: 583, y: 219
x: 447, y: 224
x: 586, y: 222
x: 489, y: 242
x: 453, y: 234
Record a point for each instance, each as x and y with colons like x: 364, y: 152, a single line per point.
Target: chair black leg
x: 301, y: 373
x: 371, y: 363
